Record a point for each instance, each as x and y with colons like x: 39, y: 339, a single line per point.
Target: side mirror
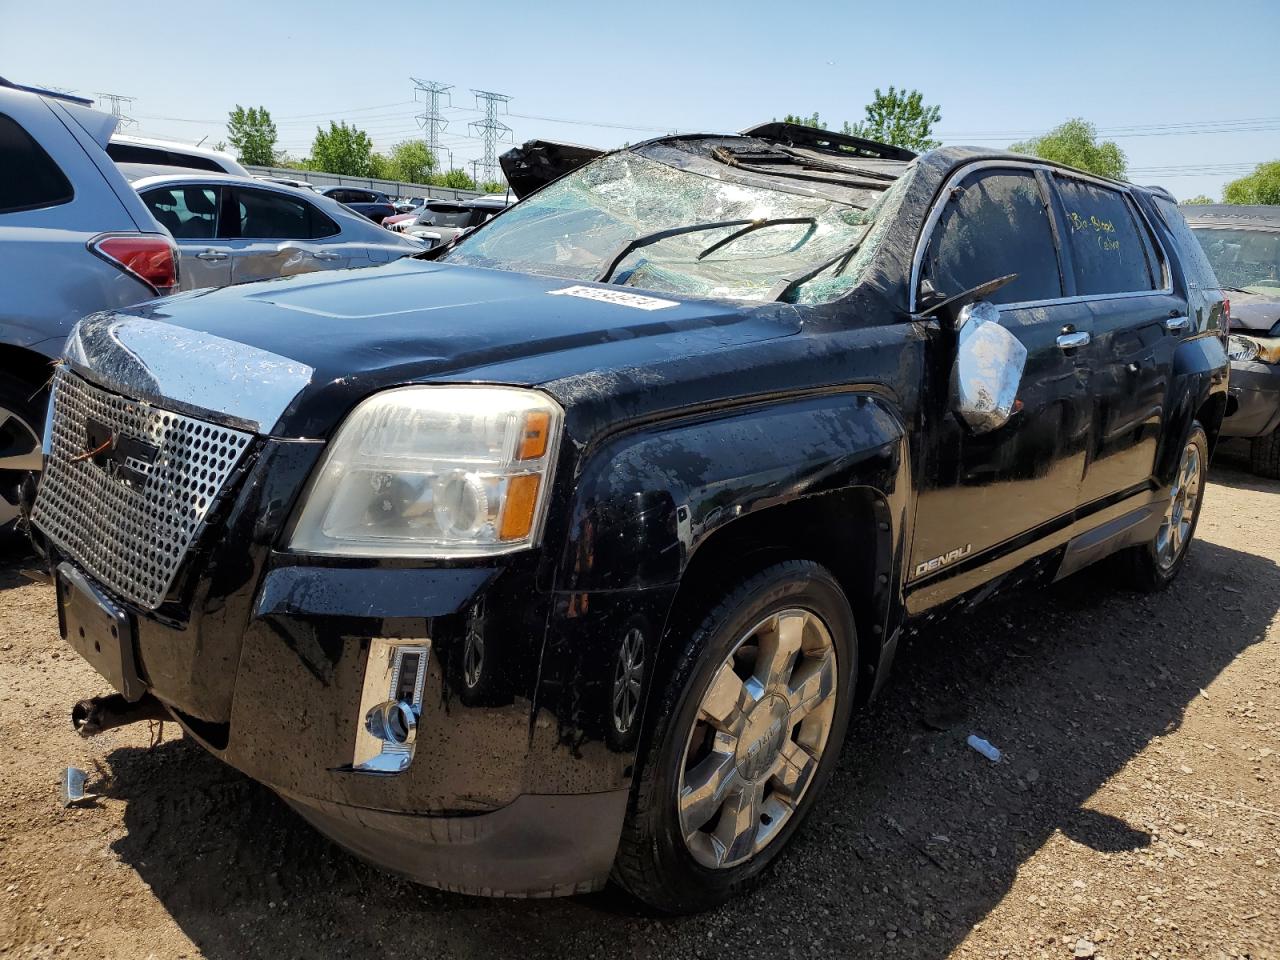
x: 988, y: 367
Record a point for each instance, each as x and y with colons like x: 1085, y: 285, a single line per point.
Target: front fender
x: 646, y: 500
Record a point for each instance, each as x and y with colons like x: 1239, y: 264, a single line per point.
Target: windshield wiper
x: 1223, y: 286
x: 650, y: 238
x: 756, y: 225
x: 789, y: 282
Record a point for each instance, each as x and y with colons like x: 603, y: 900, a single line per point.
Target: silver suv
x: 74, y: 238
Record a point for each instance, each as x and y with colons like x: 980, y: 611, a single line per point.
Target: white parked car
x: 172, y: 153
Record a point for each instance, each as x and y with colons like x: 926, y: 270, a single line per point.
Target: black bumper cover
x: 1254, y: 406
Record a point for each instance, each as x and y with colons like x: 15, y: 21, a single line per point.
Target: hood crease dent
x: 186, y: 371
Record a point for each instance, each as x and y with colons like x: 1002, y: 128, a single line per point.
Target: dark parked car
x: 566, y: 550
x: 1243, y: 246
x: 376, y: 206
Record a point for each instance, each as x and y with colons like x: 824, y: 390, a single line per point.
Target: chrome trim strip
x: 186, y: 371
x: 944, y: 194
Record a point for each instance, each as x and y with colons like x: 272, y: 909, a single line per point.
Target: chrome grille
x: 130, y: 536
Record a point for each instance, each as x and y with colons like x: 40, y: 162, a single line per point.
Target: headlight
x: 434, y: 471
x: 1242, y: 348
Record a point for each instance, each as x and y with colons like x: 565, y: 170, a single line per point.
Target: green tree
x: 455, y: 178
x: 253, y: 134
x: 380, y: 166
x: 900, y: 118
x: 1075, y: 143
x: 342, y: 149
x: 1196, y: 201
x: 492, y: 186
x: 811, y: 121
x: 411, y: 162
x: 1261, y: 186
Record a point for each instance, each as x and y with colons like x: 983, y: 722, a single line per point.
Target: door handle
x: 212, y: 255
x: 322, y: 255
x: 1177, y: 324
x: 1070, y: 341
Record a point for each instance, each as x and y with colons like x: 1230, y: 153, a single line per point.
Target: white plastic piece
x: 983, y: 747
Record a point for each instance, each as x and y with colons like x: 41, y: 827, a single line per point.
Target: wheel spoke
x: 794, y: 769
x: 19, y: 446
x: 778, y: 649
x: 726, y: 700
x: 735, y: 834
x: 706, y: 785
x: 814, y: 682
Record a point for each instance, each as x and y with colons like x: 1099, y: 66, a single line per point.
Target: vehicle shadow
x: 15, y: 556
x: 916, y: 838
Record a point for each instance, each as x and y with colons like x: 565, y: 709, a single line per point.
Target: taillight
x: 151, y: 258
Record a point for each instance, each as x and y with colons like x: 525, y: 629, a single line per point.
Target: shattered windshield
x: 1242, y: 258
x: 599, y: 222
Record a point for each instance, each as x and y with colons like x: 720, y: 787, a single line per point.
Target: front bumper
x: 1253, y: 405
x: 537, y: 846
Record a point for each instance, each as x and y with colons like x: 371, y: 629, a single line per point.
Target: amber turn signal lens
x: 537, y: 427
x: 517, y: 516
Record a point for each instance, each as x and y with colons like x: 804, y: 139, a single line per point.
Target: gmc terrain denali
x: 564, y: 551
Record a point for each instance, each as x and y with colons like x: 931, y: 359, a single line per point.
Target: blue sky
x: 1190, y: 111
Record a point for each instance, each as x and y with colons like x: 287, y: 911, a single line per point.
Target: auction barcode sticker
x: 619, y: 297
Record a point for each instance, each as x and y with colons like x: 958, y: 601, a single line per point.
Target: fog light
x: 390, y: 705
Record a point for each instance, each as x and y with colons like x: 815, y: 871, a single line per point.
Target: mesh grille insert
x: 128, y: 522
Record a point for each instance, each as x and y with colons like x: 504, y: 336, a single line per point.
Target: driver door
x: 986, y: 497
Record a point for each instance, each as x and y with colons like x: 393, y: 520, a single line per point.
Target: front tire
x: 1264, y: 455
x: 748, y: 730
x: 1153, y: 566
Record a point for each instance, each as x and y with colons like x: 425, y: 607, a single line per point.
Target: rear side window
x: 29, y: 179
x: 189, y: 213
x: 996, y: 225
x: 272, y: 216
x: 136, y: 153
x: 1109, y: 250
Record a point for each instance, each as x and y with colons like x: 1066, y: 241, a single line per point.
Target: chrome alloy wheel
x: 758, y: 737
x: 20, y: 454
x: 1181, y: 510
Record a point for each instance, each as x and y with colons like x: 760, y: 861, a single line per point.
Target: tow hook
x: 91, y: 717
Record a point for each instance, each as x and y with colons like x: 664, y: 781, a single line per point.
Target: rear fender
x: 1200, y: 371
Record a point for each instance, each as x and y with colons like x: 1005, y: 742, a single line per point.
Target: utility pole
x: 430, y: 119
x: 118, y: 104
x: 491, y: 128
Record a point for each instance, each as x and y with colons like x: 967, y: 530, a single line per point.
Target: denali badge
x: 126, y: 459
x: 948, y: 558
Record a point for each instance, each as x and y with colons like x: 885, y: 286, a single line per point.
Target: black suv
x: 566, y: 550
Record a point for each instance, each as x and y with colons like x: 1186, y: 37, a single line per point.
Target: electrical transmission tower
x: 118, y: 104
x: 491, y: 128
x: 430, y: 119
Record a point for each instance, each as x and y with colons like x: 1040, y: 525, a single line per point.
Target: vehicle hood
x: 1255, y: 313
x: 291, y: 357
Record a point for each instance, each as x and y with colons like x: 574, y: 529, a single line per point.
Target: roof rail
x: 827, y: 141
x: 40, y: 91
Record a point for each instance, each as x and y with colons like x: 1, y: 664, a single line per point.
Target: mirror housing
x: 988, y: 367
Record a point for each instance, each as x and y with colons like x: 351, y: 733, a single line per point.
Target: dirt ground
x: 1136, y: 814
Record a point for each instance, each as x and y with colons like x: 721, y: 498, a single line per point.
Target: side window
x: 1191, y: 254
x: 995, y: 225
x: 29, y: 178
x: 1108, y: 253
x: 189, y: 213
x: 273, y: 216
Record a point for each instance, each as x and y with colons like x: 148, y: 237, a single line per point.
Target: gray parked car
x: 74, y: 239
x: 1243, y: 245
x: 237, y: 229
x: 440, y: 221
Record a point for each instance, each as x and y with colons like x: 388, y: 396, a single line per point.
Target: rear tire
x: 22, y: 409
x: 747, y: 731
x: 1264, y: 455
x: 1151, y: 567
